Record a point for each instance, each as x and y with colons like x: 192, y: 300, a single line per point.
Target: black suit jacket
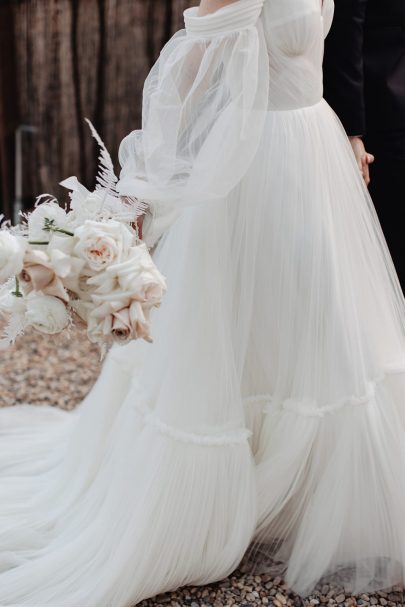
x: 364, y: 66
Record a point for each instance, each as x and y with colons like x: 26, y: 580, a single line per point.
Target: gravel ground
x: 62, y: 370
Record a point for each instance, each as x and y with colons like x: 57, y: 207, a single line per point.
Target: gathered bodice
x: 206, y: 101
x: 295, y: 32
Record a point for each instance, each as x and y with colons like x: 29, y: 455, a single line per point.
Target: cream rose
x: 139, y: 276
x: 119, y: 321
x: 12, y: 250
x: 101, y: 244
x: 131, y: 323
x: 46, y: 212
x: 46, y: 314
x: 40, y: 274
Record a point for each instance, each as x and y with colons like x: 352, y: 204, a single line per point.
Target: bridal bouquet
x: 84, y: 264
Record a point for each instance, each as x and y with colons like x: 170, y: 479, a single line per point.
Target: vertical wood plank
x: 78, y: 59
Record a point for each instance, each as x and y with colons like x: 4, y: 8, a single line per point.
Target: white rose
x: 10, y: 304
x: 139, y: 276
x: 46, y: 314
x: 50, y: 211
x: 101, y: 244
x: 82, y: 309
x: 12, y: 250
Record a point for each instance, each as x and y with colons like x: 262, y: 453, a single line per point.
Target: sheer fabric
x: 204, y: 106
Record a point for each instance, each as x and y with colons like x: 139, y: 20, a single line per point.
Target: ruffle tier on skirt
x: 267, y: 419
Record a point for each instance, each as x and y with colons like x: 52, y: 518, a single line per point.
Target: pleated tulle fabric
x: 266, y: 424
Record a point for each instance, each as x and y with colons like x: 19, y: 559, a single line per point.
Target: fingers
x: 365, y: 161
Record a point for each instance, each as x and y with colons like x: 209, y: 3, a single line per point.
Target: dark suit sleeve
x: 343, y: 65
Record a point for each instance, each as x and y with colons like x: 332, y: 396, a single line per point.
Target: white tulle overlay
x: 267, y: 420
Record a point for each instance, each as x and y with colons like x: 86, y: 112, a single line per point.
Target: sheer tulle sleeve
x: 203, y: 110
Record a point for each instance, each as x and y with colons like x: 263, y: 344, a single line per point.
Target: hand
x: 139, y: 224
x: 363, y: 158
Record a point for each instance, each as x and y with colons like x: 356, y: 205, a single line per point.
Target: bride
x: 267, y: 420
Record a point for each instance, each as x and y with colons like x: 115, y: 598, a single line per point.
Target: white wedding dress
x: 267, y: 420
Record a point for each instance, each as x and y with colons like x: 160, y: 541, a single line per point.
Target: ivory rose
x: 139, y: 276
x: 50, y: 211
x: 12, y: 250
x: 46, y: 314
x: 101, y: 244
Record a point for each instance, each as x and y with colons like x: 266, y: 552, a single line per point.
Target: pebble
x: 281, y: 598
x: 60, y: 372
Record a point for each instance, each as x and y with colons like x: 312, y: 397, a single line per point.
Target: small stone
x: 340, y: 598
x: 281, y: 598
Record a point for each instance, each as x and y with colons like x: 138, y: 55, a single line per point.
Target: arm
x: 204, y: 107
x: 206, y: 7
x: 344, y: 75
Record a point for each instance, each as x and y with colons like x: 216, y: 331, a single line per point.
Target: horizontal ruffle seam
x: 232, y: 437
x: 268, y: 404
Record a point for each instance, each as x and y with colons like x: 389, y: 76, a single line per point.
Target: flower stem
x: 17, y: 292
x: 49, y: 226
x: 62, y: 231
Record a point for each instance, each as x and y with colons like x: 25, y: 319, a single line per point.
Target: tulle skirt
x: 266, y: 423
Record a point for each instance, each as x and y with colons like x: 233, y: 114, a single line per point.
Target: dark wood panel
x: 81, y: 58
x: 9, y: 108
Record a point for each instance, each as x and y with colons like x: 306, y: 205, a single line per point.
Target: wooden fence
x: 62, y: 60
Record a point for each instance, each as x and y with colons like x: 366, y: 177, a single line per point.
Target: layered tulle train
x: 267, y: 419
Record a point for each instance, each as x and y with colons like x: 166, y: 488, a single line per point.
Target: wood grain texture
x: 76, y: 59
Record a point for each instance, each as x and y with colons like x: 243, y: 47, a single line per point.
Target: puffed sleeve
x: 204, y: 106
